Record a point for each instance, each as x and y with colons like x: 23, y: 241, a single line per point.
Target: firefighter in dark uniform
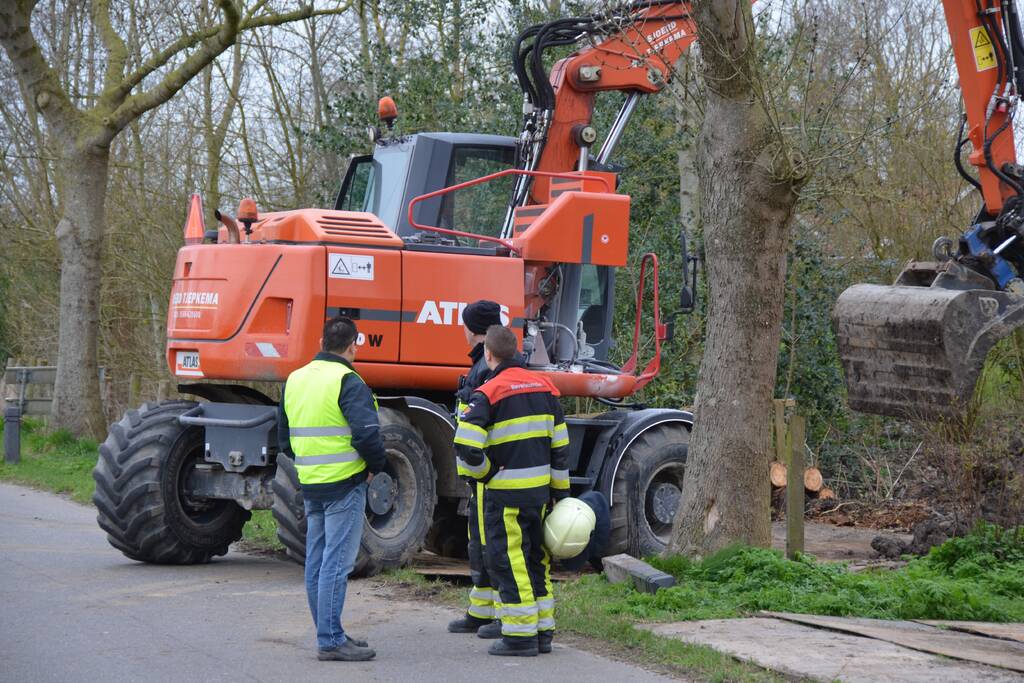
x: 513, y: 438
x: 480, y: 616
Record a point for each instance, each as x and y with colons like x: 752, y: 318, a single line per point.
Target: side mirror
x: 688, y: 293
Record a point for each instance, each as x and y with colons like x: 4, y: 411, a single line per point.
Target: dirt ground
x: 832, y: 542
x: 900, y: 516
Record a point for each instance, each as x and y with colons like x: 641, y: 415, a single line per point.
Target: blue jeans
x: 333, y: 532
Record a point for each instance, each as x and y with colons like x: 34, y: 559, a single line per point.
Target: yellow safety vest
x: 318, y: 431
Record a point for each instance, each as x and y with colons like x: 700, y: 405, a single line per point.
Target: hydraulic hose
x: 961, y: 141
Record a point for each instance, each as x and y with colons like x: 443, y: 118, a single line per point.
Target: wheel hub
x: 382, y: 493
x: 664, y: 500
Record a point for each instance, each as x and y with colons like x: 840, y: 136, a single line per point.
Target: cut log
x: 812, y: 480
x: 777, y: 473
x: 826, y: 494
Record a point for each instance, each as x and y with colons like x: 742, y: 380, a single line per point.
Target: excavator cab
x: 404, y: 167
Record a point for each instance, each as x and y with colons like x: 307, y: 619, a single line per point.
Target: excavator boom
x: 916, y: 349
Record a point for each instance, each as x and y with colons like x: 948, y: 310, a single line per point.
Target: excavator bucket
x: 917, y: 351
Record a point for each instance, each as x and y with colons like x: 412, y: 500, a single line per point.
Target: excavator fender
x: 437, y: 427
x: 633, y: 425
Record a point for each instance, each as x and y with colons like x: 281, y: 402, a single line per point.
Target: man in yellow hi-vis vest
x: 328, y: 424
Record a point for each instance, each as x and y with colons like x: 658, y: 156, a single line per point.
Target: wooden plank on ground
x: 957, y: 645
x: 984, y: 628
x: 429, y: 564
x: 805, y: 653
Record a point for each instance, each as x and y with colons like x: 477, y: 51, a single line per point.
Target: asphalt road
x: 74, y: 609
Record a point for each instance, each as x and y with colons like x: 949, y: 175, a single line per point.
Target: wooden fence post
x: 795, y: 488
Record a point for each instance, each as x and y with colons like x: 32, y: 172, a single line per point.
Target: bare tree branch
x: 37, y: 77
x: 117, y: 51
x: 189, y: 41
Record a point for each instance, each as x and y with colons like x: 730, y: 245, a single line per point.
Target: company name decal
x: 450, y: 313
x: 664, y: 36
x: 195, y: 298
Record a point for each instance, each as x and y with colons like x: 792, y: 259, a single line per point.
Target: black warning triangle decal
x: 982, y: 39
x: 340, y: 268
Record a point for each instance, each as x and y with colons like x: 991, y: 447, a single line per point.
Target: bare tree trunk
x: 747, y: 198
x: 76, y: 402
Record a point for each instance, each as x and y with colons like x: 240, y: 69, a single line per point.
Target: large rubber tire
x: 389, y: 540
x: 647, y: 490
x: 448, y: 535
x: 139, y: 477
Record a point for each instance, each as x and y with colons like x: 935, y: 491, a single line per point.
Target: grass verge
x: 55, y: 461
x: 979, y: 577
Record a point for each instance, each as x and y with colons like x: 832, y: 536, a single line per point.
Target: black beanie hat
x: 480, y: 315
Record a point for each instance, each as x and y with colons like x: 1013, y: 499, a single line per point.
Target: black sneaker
x: 346, y: 652
x: 468, y: 624
x: 544, y: 639
x: 514, y: 647
x: 489, y: 631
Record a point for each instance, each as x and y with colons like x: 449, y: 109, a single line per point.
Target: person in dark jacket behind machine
x: 513, y: 438
x: 480, y: 617
x: 328, y: 425
x: 598, y: 538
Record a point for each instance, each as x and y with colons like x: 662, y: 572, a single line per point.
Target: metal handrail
x: 654, y: 365
x: 487, y: 178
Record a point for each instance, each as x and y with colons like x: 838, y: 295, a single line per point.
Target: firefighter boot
x: 544, y: 639
x: 469, y: 624
x: 514, y: 647
x: 489, y: 631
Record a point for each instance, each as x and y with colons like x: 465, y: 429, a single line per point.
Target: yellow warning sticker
x: 984, y: 53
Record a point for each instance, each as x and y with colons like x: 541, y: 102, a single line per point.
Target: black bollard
x: 12, y: 434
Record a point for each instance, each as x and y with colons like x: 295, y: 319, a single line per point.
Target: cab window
x: 479, y: 209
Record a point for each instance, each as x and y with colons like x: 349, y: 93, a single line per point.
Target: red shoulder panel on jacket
x: 516, y: 381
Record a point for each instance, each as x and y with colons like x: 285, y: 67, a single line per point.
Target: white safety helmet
x: 567, y: 528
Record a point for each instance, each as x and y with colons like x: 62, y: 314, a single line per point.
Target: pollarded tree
x: 81, y: 123
x: 749, y: 180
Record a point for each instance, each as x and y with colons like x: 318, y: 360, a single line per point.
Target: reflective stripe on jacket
x: 319, y: 434
x: 513, y: 437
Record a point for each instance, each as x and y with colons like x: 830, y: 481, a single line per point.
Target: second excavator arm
x: 916, y: 349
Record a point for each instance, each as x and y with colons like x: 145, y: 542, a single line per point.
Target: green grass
x: 54, y: 461
x: 978, y: 577
x: 261, y: 531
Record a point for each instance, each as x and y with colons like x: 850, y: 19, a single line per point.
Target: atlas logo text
x: 450, y: 313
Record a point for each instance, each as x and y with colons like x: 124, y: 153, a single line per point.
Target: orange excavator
x: 422, y: 226
x: 916, y: 349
